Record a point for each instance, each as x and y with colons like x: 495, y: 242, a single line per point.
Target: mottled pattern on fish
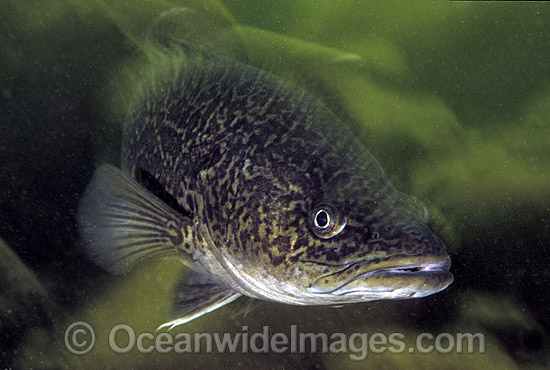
x: 248, y: 161
x: 245, y: 127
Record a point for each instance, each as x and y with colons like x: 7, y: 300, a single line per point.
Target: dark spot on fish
x: 176, y: 237
x: 301, y: 242
x: 333, y: 254
x: 276, y: 261
x: 295, y: 257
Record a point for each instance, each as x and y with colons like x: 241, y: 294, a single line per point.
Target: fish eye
x: 327, y: 221
x: 322, y: 219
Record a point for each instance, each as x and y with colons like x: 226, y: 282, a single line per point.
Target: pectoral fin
x: 197, y: 294
x: 120, y: 222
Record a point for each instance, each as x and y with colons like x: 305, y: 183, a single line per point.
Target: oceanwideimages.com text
x: 80, y: 338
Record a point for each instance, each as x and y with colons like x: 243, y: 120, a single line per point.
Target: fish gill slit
x: 151, y: 184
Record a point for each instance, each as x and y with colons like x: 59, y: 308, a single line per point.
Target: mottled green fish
x: 260, y: 190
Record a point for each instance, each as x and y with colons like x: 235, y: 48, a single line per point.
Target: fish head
x: 354, y: 240
x: 361, y: 258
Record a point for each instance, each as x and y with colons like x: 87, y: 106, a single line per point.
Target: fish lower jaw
x: 396, y: 283
x: 410, y: 280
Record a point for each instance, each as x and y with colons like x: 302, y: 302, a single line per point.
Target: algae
x: 452, y: 98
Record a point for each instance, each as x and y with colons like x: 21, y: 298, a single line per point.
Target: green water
x: 453, y: 98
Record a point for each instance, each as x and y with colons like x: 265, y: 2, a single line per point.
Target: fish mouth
x: 413, y: 268
x: 395, y: 278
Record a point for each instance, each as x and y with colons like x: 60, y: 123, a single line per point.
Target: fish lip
x: 412, y: 268
x: 434, y: 273
x: 432, y: 270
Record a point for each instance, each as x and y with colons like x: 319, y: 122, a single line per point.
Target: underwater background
x: 452, y: 98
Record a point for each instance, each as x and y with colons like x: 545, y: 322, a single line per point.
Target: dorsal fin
x: 206, y: 26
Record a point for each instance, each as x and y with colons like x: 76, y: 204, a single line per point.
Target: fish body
x: 260, y: 190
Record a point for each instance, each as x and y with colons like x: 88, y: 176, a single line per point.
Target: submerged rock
x: 24, y: 304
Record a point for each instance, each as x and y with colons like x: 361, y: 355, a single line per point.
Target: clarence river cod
x: 260, y: 190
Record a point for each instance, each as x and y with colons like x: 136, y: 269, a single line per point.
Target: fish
x: 260, y: 190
